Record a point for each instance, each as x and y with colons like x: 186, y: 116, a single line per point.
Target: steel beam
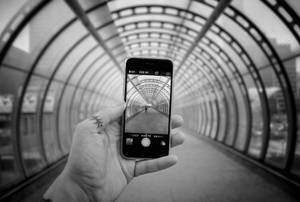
x: 210, y: 21
x: 77, y: 9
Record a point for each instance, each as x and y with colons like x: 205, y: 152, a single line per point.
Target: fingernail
x: 174, y: 157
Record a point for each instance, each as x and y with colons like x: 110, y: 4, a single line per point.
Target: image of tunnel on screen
x: 148, y: 102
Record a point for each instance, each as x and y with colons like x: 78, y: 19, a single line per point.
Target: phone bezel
x: 156, y: 63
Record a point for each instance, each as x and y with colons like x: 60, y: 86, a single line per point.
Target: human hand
x: 95, y: 167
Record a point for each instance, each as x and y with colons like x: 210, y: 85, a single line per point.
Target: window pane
x: 243, y: 118
x: 278, y: 126
x: 75, y: 104
x: 84, y: 65
x: 214, y: 120
x: 39, y: 30
x: 7, y: 11
x: 222, y: 117
x: 244, y: 39
x: 296, y: 63
x: 49, y: 122
x: 64, y: 115
x: 74, y: 57
x: 208, y: 118
x: 257, y: 118
x: 59, y: 47
x: 271, y: 25
x: 32, y: 151
x: 114, y: 5
x: 236, y: 59
x: 232, y: 122
x: 9, y: 172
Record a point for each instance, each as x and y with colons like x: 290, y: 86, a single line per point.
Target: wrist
x: 64, y: 188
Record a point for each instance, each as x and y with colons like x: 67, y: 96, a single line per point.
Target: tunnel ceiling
x: 236, y: 70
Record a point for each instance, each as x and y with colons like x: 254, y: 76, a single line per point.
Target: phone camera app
x: 148, y: 98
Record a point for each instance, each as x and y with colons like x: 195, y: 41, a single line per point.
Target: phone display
x: 146, y: 120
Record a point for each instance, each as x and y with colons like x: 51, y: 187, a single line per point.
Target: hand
x: 95, y: 166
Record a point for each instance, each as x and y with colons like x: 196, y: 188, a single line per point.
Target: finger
x: 114, y: 113
x: 177, y: 138
x: 109, y: 114
x: 177, y: 121
x: 153, y: 165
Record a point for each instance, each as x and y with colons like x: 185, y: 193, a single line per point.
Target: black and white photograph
x: 149, y: 100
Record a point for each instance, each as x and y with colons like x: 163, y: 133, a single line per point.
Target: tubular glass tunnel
x: 236, y: 75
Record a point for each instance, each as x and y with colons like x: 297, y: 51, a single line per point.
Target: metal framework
x: 214, y: 73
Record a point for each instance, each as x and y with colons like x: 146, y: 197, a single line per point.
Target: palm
x: 96, y: 162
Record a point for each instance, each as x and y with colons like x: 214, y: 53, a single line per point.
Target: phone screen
x: 146, y: 120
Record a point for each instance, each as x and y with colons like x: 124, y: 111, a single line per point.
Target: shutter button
x: 146, y: 142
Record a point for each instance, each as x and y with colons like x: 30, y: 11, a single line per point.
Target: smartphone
x: 147, y: 117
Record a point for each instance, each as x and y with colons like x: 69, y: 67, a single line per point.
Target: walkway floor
x: 150, y: 121
x: 204, y: 173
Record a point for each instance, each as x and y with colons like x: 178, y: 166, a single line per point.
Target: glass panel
x: 75, y: 104
x: 228, y: 50
x: 59, y: 47
x: 294, y: 64
x: 75, y: 57
x: 82, y: 105
x: 278, y: 126
x: 232, y: 122
x: 9, y: 172
x: 108, y: 31
x: 101, y: 85
x: 64, y: 116
x: 40, y: 29
x: 257, y: 118
x: 102, y: 74
x: 32, y: 151
x: 243, y: 119
x: 93, y: 71
x: 106, y: 74
x: 114, y: 5
x: 295, y: 5
x: 218, y: 60
x: 204, y: 117
x: 214, y: 120
x: 271, y: 25
x: 208, y: 118
x: 94, y: 100
x: 196, y: 117
x: 222, y: 117
x: 244, y: 39
x: 156, y: 18
x: 200, y: 117
x: 100, y: 16
x: 198, y: 7
x: 84, y: 65
x: 191, y: 25
x: 116, y: 91
x: 7, y: 11
x: 49, y: 122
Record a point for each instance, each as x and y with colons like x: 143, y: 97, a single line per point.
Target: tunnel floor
x: 204, y: 173
x: 150, y: 121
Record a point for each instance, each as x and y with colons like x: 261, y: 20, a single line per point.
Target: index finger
x: 177, y: 121
x: 110, y: 114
